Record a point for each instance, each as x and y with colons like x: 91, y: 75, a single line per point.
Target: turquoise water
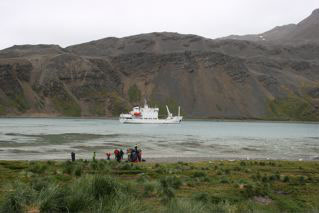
x: 48, y: 138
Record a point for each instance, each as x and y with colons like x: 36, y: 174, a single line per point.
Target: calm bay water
x: 47, y: 138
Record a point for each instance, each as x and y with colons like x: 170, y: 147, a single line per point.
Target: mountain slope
x: 307, y: 30
x: 209, y: 78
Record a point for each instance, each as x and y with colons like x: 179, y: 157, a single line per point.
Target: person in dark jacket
x: 94, y: 156
x: 134, y: 157
x: 108, y: 155
x: 121, y: 154
x: 73, y: 156
x: 138, y: 153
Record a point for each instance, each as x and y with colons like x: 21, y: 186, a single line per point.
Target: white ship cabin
x: 145, y: 112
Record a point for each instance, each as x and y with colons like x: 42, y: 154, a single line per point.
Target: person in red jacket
x: 117, y: 155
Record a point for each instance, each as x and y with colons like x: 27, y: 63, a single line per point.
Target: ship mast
x: 145, y: 103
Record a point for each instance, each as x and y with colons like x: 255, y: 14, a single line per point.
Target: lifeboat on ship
x: 137, y: 114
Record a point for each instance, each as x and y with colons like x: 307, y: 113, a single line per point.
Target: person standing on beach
x: 108, y: 155
x: 73, y: 156
x: 117, y: 155
x: 138, y: 153
x: 121, y: 154
x: 129, y: 152
x: 94, y: 155
x: 139, y: 156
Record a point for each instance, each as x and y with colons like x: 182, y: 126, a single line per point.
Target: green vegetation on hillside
x: 117, y: 104
x: 95, y: 98
x: 134, y: 94
x: 15, y: 102
x: 98, y: 108
x: 2, y: 110
x: 40, y: 104
x: 108, y: 186
x: 292, y: 108
x: 67, y: 106
x: 19, y: 102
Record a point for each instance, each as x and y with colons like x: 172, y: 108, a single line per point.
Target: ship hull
x: 175, y: 120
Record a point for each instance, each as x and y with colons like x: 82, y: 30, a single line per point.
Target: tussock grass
x: 52, y: 199
x: 171, y: 181
x: 78, y: 171
x: 109, y: 186
x: 18, y: 196
x: 150, y: 188
x: 188, y: 206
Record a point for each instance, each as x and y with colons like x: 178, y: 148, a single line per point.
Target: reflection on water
x: 39, y: 138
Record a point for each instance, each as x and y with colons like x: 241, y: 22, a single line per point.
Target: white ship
x: 148, y: 115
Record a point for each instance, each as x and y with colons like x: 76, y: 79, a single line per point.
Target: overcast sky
x: 67, y: 22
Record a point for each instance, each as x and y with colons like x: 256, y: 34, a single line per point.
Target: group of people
x: 133, y: 154
x: 119, y: 155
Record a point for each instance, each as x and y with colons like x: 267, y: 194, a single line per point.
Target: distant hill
x: 274, y: 35
x: 222, y: 78
x: 304, y: 32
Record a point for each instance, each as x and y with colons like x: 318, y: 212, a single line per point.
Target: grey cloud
x: 74, y: 21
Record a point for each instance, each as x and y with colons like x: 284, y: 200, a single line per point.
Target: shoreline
x: 185, y: 119
x: 207, y: 159
x: 176, y: 159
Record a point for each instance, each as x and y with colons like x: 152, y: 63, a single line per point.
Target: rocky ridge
x: 306, y: 31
